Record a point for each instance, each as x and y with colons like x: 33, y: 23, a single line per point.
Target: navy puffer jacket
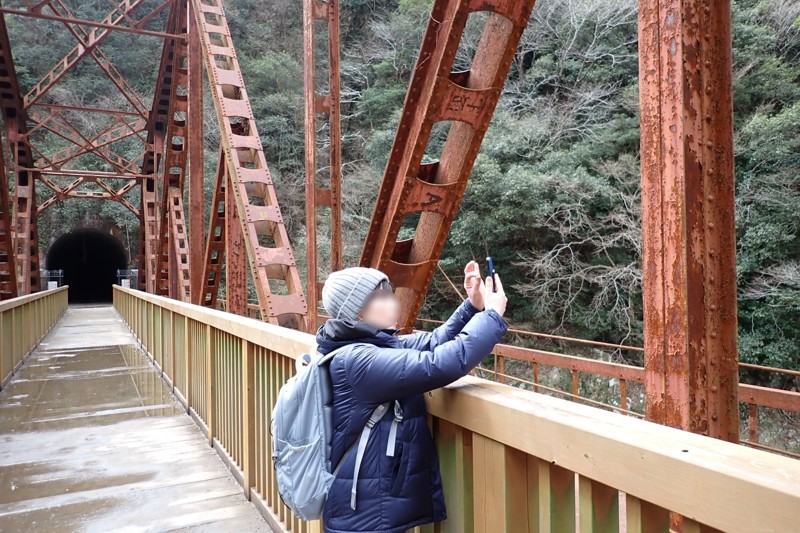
x: 403, y: 491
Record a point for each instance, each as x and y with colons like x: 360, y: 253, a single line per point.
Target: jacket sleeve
x: 428, y: 340
x: 379, y: 375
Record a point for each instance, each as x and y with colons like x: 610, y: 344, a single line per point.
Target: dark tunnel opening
x: 90, y: 260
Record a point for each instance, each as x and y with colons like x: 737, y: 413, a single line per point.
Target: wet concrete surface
x: 92, y: 440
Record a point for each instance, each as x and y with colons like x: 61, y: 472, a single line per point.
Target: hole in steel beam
x: 438, y: 136
x: 266, y: 240
x: 469, y: 40
x: 408, y: 227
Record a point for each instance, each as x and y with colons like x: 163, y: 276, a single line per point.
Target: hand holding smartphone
x: 492, y: 273
x: 495, y: 300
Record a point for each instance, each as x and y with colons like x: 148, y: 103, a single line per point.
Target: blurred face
x: 382, y: 310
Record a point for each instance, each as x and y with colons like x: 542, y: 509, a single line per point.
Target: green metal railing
x: 511, y: 459
x: 23, y: 323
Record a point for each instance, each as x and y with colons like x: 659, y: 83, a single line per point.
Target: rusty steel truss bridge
x: 691, y: 372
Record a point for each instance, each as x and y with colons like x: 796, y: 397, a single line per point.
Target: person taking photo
x: 398, y: 484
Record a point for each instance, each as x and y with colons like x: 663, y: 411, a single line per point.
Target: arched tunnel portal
x: 90, y: 260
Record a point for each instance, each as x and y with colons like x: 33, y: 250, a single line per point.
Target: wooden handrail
x: 509, y: 457
x: 6, y: 305
x: 23, y: 322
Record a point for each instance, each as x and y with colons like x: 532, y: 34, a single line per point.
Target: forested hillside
x: 555, y: 193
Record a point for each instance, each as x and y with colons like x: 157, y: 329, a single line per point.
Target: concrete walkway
x: 91, y: 440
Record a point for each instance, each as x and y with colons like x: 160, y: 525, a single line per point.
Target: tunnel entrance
x: 90, y: 260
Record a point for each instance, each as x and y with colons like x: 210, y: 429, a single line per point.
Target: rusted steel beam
x: 772, y: 398
x: 197, y: 204
x: 84, y: 22
x: 272, y: 263
x: 235, y: 256
x: 24, y: 219
x: 8, y: 263
x: 328, y: 104
x: 141, y: 281
x: 173, y: 175
x: 117, y: 113
x: 215, y: 240
x: 689, y: 263
x: 785, y: 400
x: 85, y: 46
x: 149, y: 235
x: 571, y: 362
x: 433, y: 191
x: 179, y: 254
x: 153, y: 161
x: 90, y: 175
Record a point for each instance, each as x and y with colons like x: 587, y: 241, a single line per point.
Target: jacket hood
x: 336, y: 333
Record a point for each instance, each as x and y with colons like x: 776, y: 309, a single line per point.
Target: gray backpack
x: 302, y: 428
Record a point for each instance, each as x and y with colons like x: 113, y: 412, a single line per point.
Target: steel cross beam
x: 689, y: 264
x: 116, y: 131
x: 100, y: 58
x: 66, y: 130
x: 8, y: 263
x: 174, y: 170
x: 82, y: 22
x: 85, y: 46
x: 328, y: 104
x: 25, y: 220
x: 433, y: 191
x: 70, y: 192
x: 267, y: 242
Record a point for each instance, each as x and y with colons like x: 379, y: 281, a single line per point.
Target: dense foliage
x: 555, y: 194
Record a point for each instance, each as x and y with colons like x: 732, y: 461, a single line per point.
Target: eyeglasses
x: 383, y: 290
x: 385, y: 286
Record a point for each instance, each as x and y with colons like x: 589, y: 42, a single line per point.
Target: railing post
x: 187, y: 365
x: 248, y: 416
x: 14, y: 339
x: 454, y: 446
x: 556, y: 498
x: 173, y: 349
x: 2, y: 346
x: 209, y: 388
x: 500, y: 487
x: 753, y: 422
x: 644, y: 517
x: 599, y: 507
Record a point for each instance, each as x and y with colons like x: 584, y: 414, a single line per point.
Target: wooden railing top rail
x: 282, y: 340
x: 6, y: 305
x: 721, y: 484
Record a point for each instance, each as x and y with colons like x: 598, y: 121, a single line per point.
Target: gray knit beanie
x: 345, y: 292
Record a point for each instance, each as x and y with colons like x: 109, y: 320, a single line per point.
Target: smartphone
x: 492, y: 273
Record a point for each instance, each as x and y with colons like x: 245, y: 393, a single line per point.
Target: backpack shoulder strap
x: 376, y: 415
